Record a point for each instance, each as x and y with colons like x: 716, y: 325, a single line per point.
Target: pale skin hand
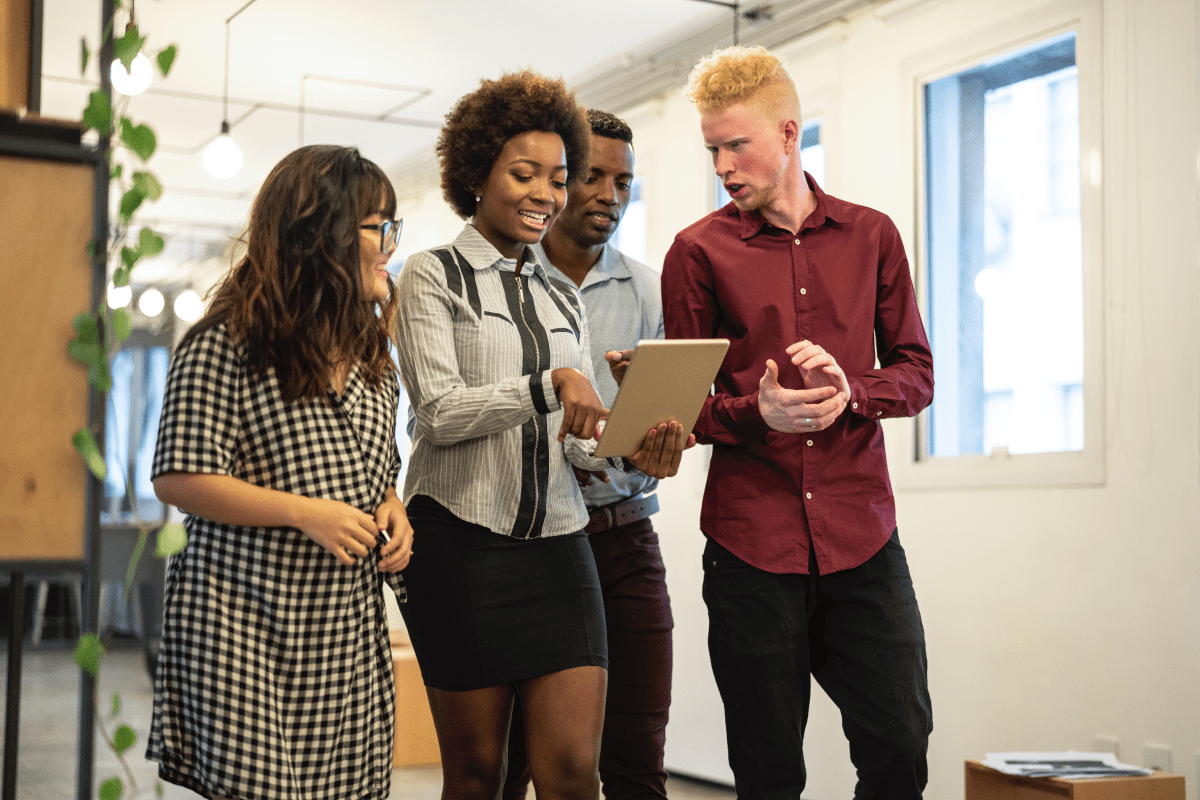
x: 813, y: 408
x: 340, y: 528
x: 392, y: 517
x: 581, y: 405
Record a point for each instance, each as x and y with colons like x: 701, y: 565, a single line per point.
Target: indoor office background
x: 1041, y: 159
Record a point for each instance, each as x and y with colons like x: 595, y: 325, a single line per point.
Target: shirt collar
x: 610, y: 266
x: 827, y: 209
x: 482, y: 254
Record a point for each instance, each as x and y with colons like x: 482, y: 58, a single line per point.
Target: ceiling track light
x: 223, y: 158
x: 136, y: 79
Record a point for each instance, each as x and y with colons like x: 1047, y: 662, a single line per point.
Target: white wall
x: 1053, y: 613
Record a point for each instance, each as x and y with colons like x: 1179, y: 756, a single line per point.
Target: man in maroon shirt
x: 804, y: 573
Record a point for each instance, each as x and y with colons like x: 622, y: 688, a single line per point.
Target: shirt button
x: 804, y: 291
x: 797, y: 241
x: 879, y: 413
x: 854, y: 405
x: 810, y: 442
x: 808, y: 495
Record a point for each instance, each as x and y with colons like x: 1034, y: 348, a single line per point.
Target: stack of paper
x: 1062, y: 765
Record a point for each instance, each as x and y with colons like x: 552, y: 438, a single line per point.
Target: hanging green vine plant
x: 100, y: 333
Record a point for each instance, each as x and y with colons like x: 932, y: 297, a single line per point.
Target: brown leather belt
x: 617, y: 514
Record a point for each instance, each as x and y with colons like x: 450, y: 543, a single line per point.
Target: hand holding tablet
x: 665, y: 380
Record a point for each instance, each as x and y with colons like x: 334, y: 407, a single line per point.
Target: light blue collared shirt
x: 624, y: 304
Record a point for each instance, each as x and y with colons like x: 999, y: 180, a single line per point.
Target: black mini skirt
x: 486, y: 610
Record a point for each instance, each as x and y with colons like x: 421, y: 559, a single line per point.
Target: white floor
x: 49, y: 724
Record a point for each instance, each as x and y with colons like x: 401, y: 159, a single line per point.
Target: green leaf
x: 123, y: 738
x: 129, y: 257
x: 99, y: 376
x: 138, y: 138
x: 87, y: 327
x: 172, y: 539
x: 130, y: 202
x: 121, y: 276
x: 85, y: 443
x: 116, y: 704
x: 98, y: 114
x: 122, y: 324
x: 128, y: 46
x: 88, y: 652
x: 112, y: 789
x: 149, y: 242
x: 166, y: 57
x: 86, y: 353
x: 91, y: 249
x: 84, y: 55
x: 116, y: 172
x: 131, y: 570
x: 148, y: 184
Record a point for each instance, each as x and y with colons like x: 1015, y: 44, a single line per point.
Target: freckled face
x: 524, y: 192
x: 748, y: 154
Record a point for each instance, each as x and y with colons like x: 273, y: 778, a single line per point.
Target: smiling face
x: 524, y: 192
x: 373, y: 260
x: 750, y: 155
x: 596, y: 202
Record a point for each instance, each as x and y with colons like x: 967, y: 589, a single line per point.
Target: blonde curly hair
x: 752, y: 75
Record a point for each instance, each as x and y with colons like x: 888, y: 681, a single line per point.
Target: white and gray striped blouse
x: 477, y: 345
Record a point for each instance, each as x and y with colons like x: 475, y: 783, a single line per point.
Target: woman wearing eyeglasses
x: 504, y: 603
x: 277, y: 438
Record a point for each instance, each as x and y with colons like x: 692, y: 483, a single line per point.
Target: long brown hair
x: 297, y: 298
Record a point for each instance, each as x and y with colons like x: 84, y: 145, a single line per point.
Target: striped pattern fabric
x: 478, y: 344
x: 275, y: 676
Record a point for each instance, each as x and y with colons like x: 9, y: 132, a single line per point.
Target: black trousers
x: 858, y: 632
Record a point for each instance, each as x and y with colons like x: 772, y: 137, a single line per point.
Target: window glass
x: 139, y: 378
x: 1004, y: 252
x: 630, y: 237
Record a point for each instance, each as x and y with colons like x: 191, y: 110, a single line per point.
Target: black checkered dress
x: 275, y: 678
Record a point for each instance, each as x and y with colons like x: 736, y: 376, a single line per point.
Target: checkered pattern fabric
x: 275, y: 677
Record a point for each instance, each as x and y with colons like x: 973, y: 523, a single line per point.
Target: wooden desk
x: 416, y: 739
x: 985, y: 783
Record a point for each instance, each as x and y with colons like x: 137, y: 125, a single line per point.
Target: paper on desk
x: 1062, y: 765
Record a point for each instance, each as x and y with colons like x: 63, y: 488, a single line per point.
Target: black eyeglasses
x: 389, y: 234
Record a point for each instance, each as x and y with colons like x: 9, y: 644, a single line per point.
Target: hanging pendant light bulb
x: 136, y: 80
x: 223, y: 158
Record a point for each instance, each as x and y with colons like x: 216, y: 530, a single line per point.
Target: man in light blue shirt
x: 623, y: 305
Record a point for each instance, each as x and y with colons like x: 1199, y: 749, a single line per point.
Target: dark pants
x: 638, y: 616
x: 858, y: 632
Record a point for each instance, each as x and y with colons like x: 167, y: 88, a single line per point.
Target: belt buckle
x: 609, y: 518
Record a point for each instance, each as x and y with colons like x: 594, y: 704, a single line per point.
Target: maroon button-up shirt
x: 842, y: 283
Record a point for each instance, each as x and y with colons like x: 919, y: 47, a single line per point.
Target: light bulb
x: 118, y: 296
x: 151, y: 302
x: 223, y: 158
x: 136, y: 80
x: 189, y: 306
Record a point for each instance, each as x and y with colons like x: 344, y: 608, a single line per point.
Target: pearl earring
x: 477, y: 198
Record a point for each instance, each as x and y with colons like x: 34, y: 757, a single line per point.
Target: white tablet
x: 666, y: 379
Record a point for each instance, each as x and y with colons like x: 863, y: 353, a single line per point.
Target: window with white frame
x: 630, y: 237
x: 812, y: 159
x: 1004, y: 254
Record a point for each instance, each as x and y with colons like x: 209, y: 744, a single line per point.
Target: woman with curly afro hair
x: 504, y: 603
